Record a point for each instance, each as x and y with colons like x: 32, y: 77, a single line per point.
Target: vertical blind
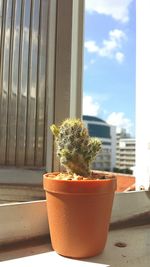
x: 23, y: 54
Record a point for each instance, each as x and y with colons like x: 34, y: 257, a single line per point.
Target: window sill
x: 135, y: 252
x: 24, y: 226
x: 20, y: 185
x: 21, y: 176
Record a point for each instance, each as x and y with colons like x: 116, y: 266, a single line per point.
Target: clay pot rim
x: 91, y: 186
x: 110, y: 176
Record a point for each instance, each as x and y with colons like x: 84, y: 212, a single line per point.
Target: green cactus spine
x: 75, y: 147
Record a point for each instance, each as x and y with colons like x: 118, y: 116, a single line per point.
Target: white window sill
x: 24, y: 226
x: 136, y: 253
x: 20, y: 185
x: 21, y: 176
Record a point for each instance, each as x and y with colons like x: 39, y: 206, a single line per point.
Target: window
x: 45, y: 93
x: 130, y: 203
x: 109, y: 72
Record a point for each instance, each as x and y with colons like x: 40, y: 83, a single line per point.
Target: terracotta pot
x: 79, y: 214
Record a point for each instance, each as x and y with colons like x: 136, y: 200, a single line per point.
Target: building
x: 125, y: 152
x: 97, y: 127
x: 120, y: 135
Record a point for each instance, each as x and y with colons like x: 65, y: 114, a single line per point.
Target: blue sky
x: 109, y: 62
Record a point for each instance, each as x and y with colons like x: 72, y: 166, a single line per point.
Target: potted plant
x: 79, y: 201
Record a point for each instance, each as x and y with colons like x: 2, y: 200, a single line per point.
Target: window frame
x: 142, y: 168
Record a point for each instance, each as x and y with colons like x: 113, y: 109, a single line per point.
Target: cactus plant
x: 75, y: 147
x: 79, y: 202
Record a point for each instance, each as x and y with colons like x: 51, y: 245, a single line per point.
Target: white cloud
x: 90, y: 107
x: 110, y: 47
x: 91, y: 46
x: 117, y: 9
x: 119, y: 120
x: 119, y: 57
x: 117, y: 35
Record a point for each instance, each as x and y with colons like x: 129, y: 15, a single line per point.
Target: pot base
x: 81, y: 256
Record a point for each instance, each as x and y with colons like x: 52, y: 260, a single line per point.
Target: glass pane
x: 109, y: 79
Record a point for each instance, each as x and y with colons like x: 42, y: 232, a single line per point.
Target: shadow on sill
x: 24, y: 248
x: 136, y: 220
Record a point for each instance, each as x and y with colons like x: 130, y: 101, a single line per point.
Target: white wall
x: 142, y: 169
